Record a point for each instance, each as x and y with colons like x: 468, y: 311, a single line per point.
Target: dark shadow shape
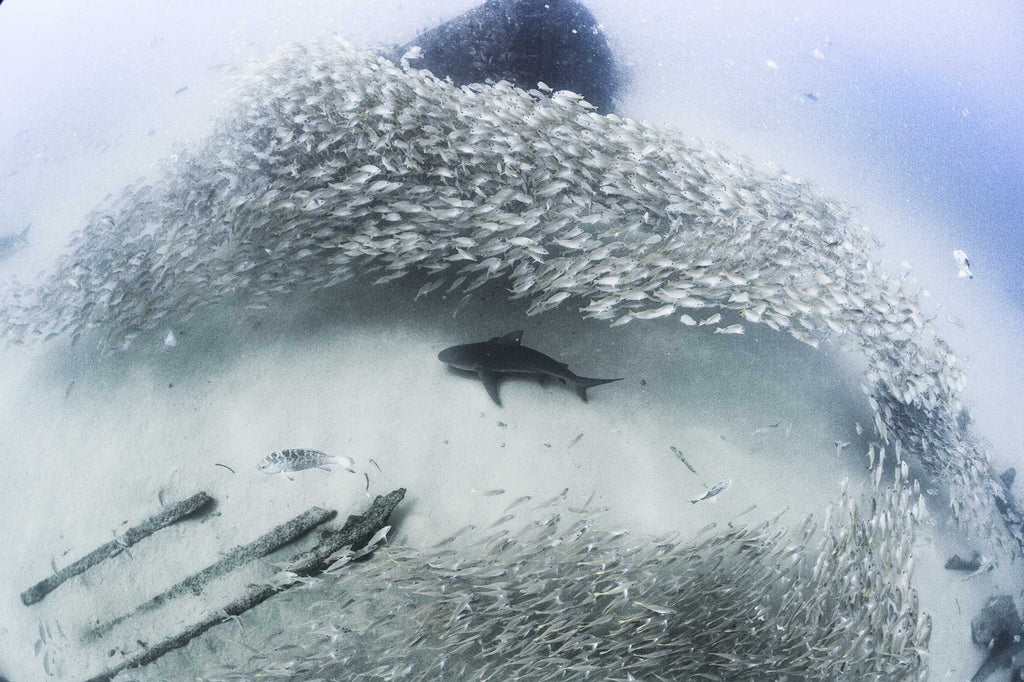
x: 558, y: 42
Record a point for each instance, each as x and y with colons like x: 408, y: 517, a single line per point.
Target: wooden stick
x: 175, y: 512
x: 262, y: 546
x: 357, y: 531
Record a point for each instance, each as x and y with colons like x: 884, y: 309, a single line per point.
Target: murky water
x: 771, y: 488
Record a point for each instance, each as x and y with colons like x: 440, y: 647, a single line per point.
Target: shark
x: 502, y: 355
x: 9, y: 243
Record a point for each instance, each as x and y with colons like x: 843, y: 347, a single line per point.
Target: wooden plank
x: 171, y: 514
x: 356, y: 532
x: 260, y: 547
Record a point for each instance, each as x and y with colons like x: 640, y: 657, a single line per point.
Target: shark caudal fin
x: 583, y: 383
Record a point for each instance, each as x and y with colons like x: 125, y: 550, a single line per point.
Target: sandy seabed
x: 88, y: 443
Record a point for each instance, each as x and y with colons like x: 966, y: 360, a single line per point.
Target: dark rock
x: 998, y: 628
x: 1008, y: 477
x: 1001, y: 655
x: 558, y: 42
x: 956, y: 563
x: 999, y: 618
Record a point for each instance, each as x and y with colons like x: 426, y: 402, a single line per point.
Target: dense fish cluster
x: 336, y: 162
x: 561, y: 600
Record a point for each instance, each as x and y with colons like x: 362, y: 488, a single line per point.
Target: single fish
x: 9, y: 243
x: 962, y: 263
x: 717, y: 489
x: 506, y: 355
x: 284, y: 461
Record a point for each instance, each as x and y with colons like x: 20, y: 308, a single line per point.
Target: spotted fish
x: 284, y: 461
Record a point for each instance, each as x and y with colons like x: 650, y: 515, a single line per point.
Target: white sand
x: 355, y: 373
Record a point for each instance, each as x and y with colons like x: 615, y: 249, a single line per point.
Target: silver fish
x: 716, y: 489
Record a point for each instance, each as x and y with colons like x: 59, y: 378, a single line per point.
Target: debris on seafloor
x: 957, y: 563
x: 242, y: 554
x: 1008, y: 477
x: 172, y: 514
x: 681, y: 458
x: 357, y: 531
x: 999, y: 629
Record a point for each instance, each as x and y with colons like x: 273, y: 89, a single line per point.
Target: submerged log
x: 357, y: 531
x: 262, y: 546
x: 171, y: 514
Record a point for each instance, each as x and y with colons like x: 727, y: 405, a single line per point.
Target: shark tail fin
x: 583, y: 383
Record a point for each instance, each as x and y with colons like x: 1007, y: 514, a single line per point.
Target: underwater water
x: 250, y: 237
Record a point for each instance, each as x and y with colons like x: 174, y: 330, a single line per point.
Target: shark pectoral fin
x: 490, y: 380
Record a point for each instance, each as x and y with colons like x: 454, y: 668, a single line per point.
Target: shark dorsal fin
x: 510, y: 339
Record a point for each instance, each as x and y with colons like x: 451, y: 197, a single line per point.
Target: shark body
x: 502, y: 355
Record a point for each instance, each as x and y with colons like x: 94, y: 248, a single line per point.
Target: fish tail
x: 342, y: 461
x: 583, y: 383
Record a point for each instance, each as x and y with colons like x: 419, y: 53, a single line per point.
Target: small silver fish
x: 718, y: 488
x: 963, y: 264
x: 766, y: 428
x: 284, y: 461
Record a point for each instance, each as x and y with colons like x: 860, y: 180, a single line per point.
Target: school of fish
x: 335, y: 163
x: 559, y: 599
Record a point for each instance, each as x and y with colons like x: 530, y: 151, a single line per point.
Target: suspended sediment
x: 336, y: 163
